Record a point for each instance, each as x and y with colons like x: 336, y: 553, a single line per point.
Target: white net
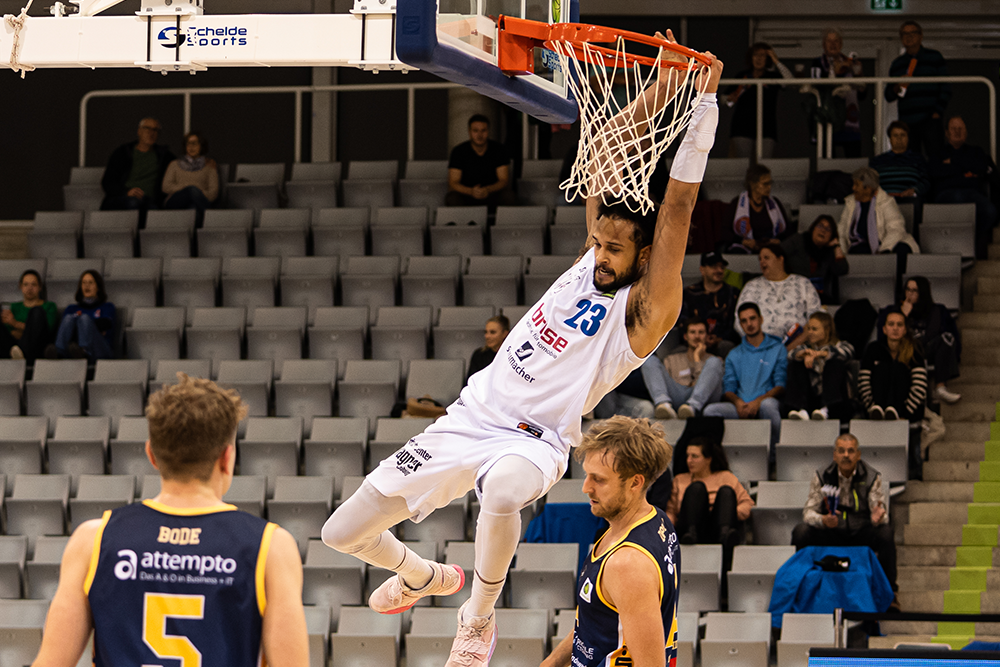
x: 629, y: 115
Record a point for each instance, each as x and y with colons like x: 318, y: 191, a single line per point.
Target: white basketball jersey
x: 568, y: 351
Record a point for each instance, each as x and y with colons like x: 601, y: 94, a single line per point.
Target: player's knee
x: 340, y: 534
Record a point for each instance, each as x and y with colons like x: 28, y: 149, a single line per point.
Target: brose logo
x: 203, y: 36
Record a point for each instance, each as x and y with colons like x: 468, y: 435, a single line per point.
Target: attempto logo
x: 170, y: 38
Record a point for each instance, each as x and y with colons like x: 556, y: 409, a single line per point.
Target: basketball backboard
x: 456, y: 40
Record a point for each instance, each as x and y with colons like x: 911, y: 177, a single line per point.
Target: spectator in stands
x: 708, y: 505
x: 714, y: 302
x: 192, y: 181
x: 817, y: 255
x: 29, y: 324
x: 839, y: 103
x: 494, y: 334
x: 817, y: 372
x: 134, y: 176
x: 901, y: 172
x: 962, y: 175
x: 893, y: 378
x: 872, y: 223
x: 755, y: 375
x: 87, y: 325
x: 847, y: 507
x: 690, y: 379
x: 758, y: 218
x: 933, y: 329
x: 786, y: 300
x: 920, y: 104
x: 743, y: 130
x: 479, y: 169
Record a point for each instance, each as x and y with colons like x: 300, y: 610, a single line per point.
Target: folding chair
x: 336, y: 448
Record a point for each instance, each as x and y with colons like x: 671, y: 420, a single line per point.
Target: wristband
x: 692, y: 155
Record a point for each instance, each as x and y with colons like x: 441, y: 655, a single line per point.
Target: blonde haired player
x: 183, y: 577
x: 627, y: 592
x: 509, y: 434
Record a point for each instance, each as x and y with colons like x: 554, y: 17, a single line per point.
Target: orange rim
x: 575, y: 35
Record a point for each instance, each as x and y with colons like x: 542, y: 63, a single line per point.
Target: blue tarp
x: 565, y: 522
x: 801, y: 587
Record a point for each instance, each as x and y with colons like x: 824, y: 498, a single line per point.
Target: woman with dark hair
x: 758, y: 218
x: 893, y: 378
x: 762, y: 63
x: 708, y: 503
x: 933, y: 330
x: 494, y: 333
x: 29, y: 324
x: 817, y: 255
x: 817, y: 372
x: 192, y: 181
x: 85, y: 330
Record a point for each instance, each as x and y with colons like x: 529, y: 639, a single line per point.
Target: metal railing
x: 411, y: 88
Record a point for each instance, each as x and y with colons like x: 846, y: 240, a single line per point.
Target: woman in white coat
x: 872, y: 223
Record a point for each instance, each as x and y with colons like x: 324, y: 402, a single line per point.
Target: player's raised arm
x: 284, y: 637
x: 68, y: 624
x: 656, y: 300
x: 632, y: 584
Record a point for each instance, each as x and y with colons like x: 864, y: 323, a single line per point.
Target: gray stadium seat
x: 429, y: 640
x: 373, y: 170
x: 316, y: 171
x: 541, y: 271
x: 368, y: 193
x: 752, y: 576
x: 746, y: 442
x: 431, y: 281
x: 216, y: 334
x: 724, y: 178
x: 401, y: 333
x: 305, y: 389
x: 778, y: 510
x: 331, y: 578
x: 541, y: 168
x: 79, y: 446
x: 567, y: 239
x: 341, y: 242
x: 86, y: 175
x: 225, y: 233
x: 804, y: 447
x: 350, y: 216
x: 429, y: 192
x: 687, y: 639
x: 365, y: 637
x: 167, y: 234
x: 848, y: 165
x: 128, y: 450
x: 426, y: 169
x: 191, y: 283
x: 155, y: 334
x: 492, y: 280
x: 459, y: 331
x: 441, y: 379
x: 369, y: 281
x: 567, y: 491
x: 311, y: 195
x: 799, y: 633
x: 82, y: 197
x: 252, y: 378
x: 21, y: 623
x: 544, y: 576
x: 521, y: 240
x: 733, y: 639
x: 460, y: 216
x: 390, y: 435
x: 369, y: 388
x: 55, y: 234
x: 339, y: 334
x: 38, y: 507
x: 871, y: 277
x: 13, y: 554
x: 462, y: 240
x: 883, y: 445
x: 56, y: 388
x: 11, y: 386
x: 249, y: 281
x: 790, y: 178
x: 248, y: 492
x: 318, y: 628
x: 133, y: 281
x: 701, y: 575
x: 809, y: 212
x: 110, y: 233
x: 118, y: 389
x: 462, y: 554
x: 276, y: 334
x: 540, y: 192
x: 97, y: 493
x: 282, y: 232
x: 255, y: 186
x: 301, y: 505
x: 271, y: 448
x: 336, y: 447
x: 308, y: 282
x: 570, y: 215
x: 167, y: 370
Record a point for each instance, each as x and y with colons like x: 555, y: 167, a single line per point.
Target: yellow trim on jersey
x: 593, y: 551
x: 95, y: 553
x: 597, y: 582
x: 265, y: 546
x: 188, y: 511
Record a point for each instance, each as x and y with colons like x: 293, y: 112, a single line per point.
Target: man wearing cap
x: 714, y: 302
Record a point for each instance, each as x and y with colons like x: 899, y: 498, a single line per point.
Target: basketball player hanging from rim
x: 509, y: 434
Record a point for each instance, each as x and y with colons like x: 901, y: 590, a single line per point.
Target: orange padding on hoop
x: 517, y: 38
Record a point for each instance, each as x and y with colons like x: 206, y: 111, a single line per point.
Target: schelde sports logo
x: 203, y: 36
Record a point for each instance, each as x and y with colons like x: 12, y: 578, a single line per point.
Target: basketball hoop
x: 632, y: 107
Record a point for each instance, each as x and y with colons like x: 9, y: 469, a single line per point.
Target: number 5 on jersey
x: 156, y: 609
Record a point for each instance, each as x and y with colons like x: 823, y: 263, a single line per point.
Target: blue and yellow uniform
x: 598, y: 639
x: 178, y: 587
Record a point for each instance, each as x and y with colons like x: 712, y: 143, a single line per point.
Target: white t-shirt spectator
x: 782, y: 303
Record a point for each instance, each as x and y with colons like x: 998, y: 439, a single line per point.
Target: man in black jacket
x: 133, y: 178
x: 847, y: 507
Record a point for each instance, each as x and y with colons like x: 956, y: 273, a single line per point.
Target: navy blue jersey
x: 178, y: 587
x: 598, y: 639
